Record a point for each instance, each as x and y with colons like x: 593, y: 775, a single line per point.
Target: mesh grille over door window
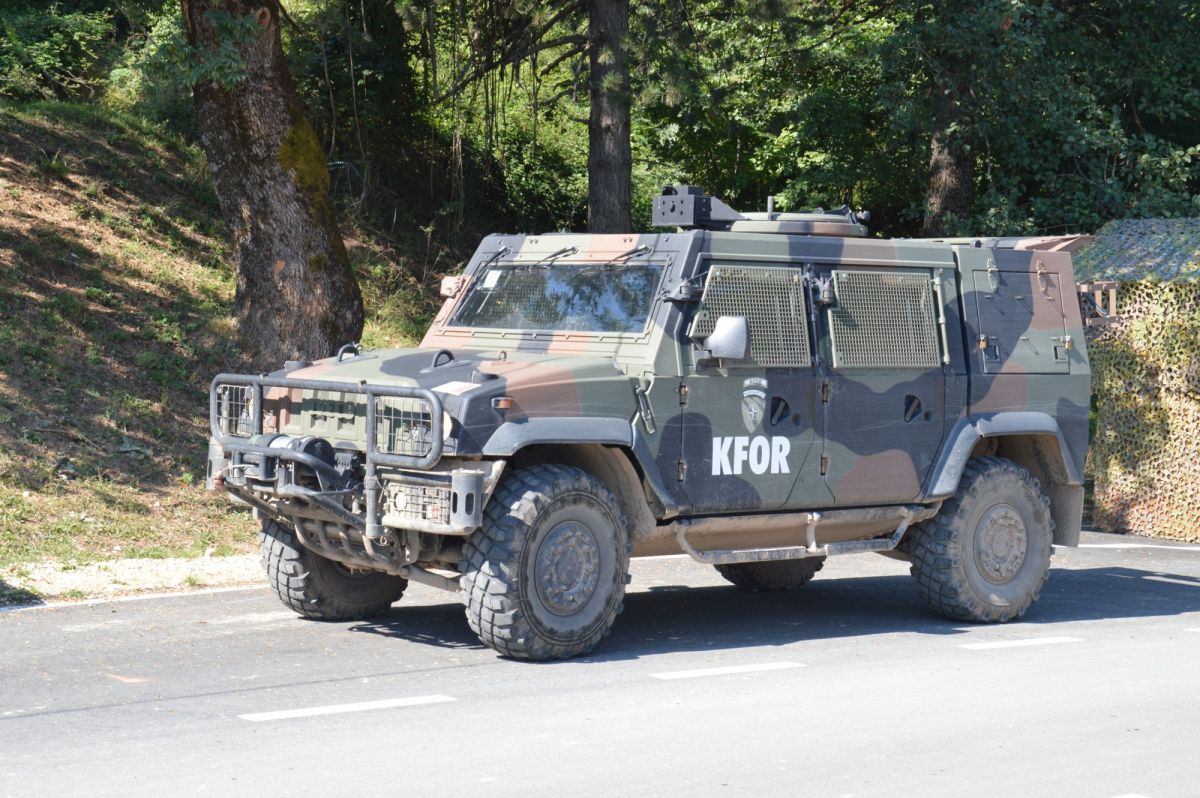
x: 771, y: 299
x: 883, y: 319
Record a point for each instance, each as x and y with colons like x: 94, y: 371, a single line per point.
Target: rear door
x: 1014, y: 311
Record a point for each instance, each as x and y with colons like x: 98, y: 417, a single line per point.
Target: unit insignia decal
x: 754, y: 402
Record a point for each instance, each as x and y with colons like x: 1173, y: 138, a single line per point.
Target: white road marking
x: 1191, y: 630
x: 1192, y: 549
x: 91, y: 627
x: 701, y: 672
x: 54, y: 605
x: 257, y: 617
x: 1032, y: 641
x: 338, y: 709
x: 1169, y: 580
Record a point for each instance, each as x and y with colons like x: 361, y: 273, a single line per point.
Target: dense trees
x: 443, y: 120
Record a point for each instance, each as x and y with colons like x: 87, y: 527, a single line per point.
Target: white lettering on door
x: 731, y: 455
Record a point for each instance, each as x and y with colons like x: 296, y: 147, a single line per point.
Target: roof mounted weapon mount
x: 688, y: 207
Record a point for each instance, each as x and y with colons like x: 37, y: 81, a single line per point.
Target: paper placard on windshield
x: 456, y: 388
x: 491, y: 278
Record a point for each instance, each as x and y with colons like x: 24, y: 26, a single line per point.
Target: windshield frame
x: 662, y: 263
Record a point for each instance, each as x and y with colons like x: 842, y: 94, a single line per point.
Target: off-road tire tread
x: 937, y: 554
x: 307, y: 583
x: 492, y: 554
x: 772, y: 575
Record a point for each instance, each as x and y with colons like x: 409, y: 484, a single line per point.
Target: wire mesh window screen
x: 771, y: 299
x: 883, y: 319
x: 403, y: 426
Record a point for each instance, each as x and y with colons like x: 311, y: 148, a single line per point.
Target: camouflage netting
x: 1145, y: 455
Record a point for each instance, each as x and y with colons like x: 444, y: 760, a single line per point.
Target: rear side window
x: 771, y: 299
x: 884, y: 319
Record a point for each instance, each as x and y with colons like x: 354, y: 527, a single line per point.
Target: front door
x: 750, y: 426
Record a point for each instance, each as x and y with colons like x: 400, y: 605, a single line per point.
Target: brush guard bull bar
x: 374, y: 457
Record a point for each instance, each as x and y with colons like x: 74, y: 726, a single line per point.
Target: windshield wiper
x: 620, y: 261
x: 547, y: 261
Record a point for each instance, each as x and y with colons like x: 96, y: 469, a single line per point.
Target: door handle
x: 780, y: 410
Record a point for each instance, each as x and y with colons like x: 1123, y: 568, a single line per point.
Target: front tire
x: 545, y: 575
x: 322, y: 589
x: 772, y: 575
x: 986, y: 554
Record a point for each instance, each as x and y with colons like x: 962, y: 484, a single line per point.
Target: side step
x: 812, y: 549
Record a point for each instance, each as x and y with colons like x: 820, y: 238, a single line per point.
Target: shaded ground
x: 115, y: 298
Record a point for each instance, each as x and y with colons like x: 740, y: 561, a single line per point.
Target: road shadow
x: 11, y: 596
x: 679, y: 618
x: 441, y: 625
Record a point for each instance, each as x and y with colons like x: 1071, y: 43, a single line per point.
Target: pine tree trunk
x: 296, y: 294
x: 950, y: 192
x: 609, y: 157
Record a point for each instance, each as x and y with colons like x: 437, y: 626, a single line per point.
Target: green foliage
x: 51, y: 53
x: 150, y: 77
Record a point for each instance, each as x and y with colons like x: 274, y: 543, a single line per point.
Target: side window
x: 771, y: 299
x: 883, y: 320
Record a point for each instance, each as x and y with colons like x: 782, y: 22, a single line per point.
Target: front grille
x: 403, y: 426
x: 418, y: 503
x: 234, y: 409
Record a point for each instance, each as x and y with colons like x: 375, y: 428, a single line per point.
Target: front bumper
x: 400, y: 436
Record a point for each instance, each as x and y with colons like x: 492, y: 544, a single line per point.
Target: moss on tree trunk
x: 296, y: 294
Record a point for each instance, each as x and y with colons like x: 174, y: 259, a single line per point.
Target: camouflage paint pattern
x: 736, y: 437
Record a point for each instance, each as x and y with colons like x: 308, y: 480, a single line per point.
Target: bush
x: 51, y: 54
x: 149, y: 79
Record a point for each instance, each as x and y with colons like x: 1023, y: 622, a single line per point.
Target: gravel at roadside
x: 32, y: 583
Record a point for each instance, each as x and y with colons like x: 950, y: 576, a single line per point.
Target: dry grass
x: 115, y: 297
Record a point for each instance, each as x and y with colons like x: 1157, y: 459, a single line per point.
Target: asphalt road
x: 848, y: 686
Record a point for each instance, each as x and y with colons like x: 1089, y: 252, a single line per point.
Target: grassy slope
x: 115, y: 292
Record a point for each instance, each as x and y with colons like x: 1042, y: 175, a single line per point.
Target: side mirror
x: 730, y: 340
x: 451, y: 285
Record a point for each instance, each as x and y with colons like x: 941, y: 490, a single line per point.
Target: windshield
x: 584, y: 297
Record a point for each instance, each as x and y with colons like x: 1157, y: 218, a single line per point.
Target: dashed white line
x: 729, y: 669
x: 251, y: 618
x: 1172, y: 581
x: 1136, y: 546
x: 1031, y: 641
x: 1192, y: 630
x: 338, y: 709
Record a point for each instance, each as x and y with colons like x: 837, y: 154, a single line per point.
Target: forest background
x: 439, y: 121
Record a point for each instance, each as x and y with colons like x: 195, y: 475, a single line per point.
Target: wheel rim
x: 567, y: 568
x: 1001, y: 540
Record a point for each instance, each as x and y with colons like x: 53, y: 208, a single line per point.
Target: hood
x: 540, y: 385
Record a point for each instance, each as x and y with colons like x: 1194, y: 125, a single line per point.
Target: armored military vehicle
x: 759, y: 391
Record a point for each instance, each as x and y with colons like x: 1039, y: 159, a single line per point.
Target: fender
x: 514, y: 435
x: 943, y: 478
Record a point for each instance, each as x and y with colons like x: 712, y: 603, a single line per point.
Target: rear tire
x: 772, y: 575
x: 545, y: 575
x: 986, y: 554
x: 322, y: 589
